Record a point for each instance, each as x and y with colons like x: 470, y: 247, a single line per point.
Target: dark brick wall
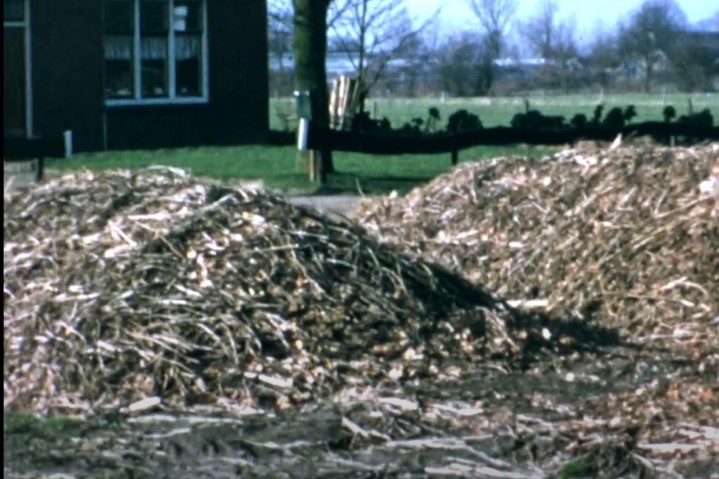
x: 68, y: 69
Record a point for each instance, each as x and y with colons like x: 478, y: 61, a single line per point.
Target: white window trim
x: 28, y: 67
x: 185, y: 100
x: 172, y: 98
x: 28, y: 73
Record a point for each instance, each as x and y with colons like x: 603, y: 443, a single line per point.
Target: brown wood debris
x: 121, y: 286
x: 627, y: 238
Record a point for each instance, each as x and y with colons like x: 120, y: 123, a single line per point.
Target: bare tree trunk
x: 362, y: 54
x: 648, y: 72
x: 310, y: 45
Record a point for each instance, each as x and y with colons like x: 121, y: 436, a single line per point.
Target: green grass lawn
x: 279, y: 169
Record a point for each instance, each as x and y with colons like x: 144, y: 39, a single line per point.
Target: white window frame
x: 172, y: 98
x: 25, y: 24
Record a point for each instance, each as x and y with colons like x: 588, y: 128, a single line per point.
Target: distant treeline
x: 462, y: 121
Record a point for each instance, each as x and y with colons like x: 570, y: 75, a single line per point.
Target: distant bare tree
x: 540, y: 30
x: 280, y: 32
x: 493, y: 16
x: 695, y: 61
x: 371, y: 33
x: 279, y: 41
x: 458, y: 60
x: 564, y: 52
x: 554, y: 41
x: 650, y: 34
x: 603, y: 57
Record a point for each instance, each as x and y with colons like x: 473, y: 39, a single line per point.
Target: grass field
x: 500, y: 110
x: 278, y: 168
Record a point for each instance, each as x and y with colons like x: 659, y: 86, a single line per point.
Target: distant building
x: 535, y: 70
x: 136, y: 73
x: 336, y: 64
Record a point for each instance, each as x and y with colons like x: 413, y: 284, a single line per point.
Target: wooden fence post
x: 315, y: 167
x: 455, y: 157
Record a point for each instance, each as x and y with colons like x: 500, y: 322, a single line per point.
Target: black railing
x: 388, y: 143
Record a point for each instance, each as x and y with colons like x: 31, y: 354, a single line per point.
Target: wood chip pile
x: 627, y: 237
x: 121, y: 286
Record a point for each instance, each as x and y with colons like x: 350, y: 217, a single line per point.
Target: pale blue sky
x: 588, y: 13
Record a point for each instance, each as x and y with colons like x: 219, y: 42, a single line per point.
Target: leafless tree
x: 603, y: 57
x: 565, y: 52
x: 279, y: 42
x: 458, y: 59
x: 695, y: 61
x: 371, y: 33
x: 280, y: 31
x: 310, y: 49
x: 539, y: 31
x: 494, y: 17
x: 650, y: 34
x: 554, y: 41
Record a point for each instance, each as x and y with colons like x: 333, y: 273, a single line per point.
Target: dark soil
x: 549, y: 421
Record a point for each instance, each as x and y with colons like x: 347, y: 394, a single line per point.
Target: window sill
x: 158, y: 101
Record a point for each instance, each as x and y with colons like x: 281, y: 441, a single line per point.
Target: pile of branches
x: 121, y: 286
x: 626, y: 237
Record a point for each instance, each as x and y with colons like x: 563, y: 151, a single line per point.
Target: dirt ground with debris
x: 492, y: 423
x: 159, y: 325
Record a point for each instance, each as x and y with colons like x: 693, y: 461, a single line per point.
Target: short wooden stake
x: 312, y: 165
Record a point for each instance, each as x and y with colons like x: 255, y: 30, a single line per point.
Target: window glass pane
x: 13, y: 10
x: 188, y: 65
x: 187, y: 16
x: 119, y: 17
x: 154, y: 66
x: 153, y: 17
x: 155, y: 23
x: 119, y: 79
x: 153, y: 48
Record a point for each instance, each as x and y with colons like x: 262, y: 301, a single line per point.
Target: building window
x: 155, y: 51
x: 13, y: 11
x: 188, y: 27
x: 17, y: 66
x: 119, y: 57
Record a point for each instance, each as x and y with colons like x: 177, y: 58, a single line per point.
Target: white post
x: 67, y: 136
x: 302, y: 134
